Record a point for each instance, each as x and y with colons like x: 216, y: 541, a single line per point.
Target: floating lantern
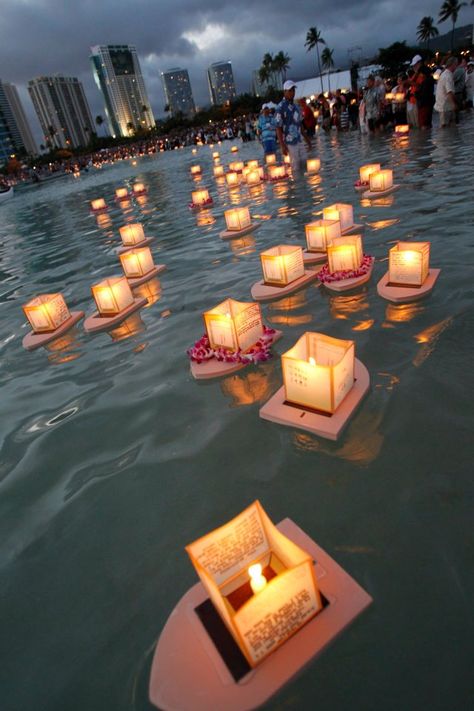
x: 224, y: 560
x: 121, y: 193
x: 253, y: 177
x: 276, y: 172
x: 215, y: 155
x: 200, y: 197
x: 345, y: 253
x: 237, y: 218
x: 137, y: 263
x: 318, y: 372
x: 46, y: 312
x: 234, y: 149
x: 138, y: 188
x: 252, y: 164
x: 132, y: 234
x: 365, y: 171
x: 232, y: 179
x: 98, y: 204
x: 389, y: 96
x: 342, y: 212
x: 313, y: 165
x: 236, y: 166
x: 234, y: 325
x: 112, y: 296
x: 194, y: 151
x: 409, y: 263
x: 320, y: 233
x: 195, y: 170
x: 402, y: 129
x: 380, y: 181
x: 219, y: 171
x: 270, y: 158
x: 282, y: 264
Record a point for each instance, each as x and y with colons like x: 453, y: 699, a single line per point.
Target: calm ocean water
x: 113, y: 458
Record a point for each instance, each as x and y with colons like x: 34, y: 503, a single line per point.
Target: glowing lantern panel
x: 402, y: 129
x: 196, y: 170
x: 234, y: 325
x: 253, y: 177
x: 252, y: 164
x: 236, y: 166
x: 238, y: 218
x: 132, y: 234
x: 121, y: 193
x: 342, y: 212
x: 313, y: 165
x: 215, y: 155
x: 138, y: 188
x: 112, y: 296
x: 276, y: 171
x: 218, y: 171
x: 98, y: 204
x: 234, y: 149
x: 283, y: 264
x: 137, y: 262
x: 232, y: 179
x: 381, y: 180
x: 365, y: 171
x: 320, y: 232
x: 46, y: 312
x: 200, y: 197
x: 231, y: 562
x: 270, y: 158
x: 318, y: 372
x: 409, y: 263
x: 345, y: 253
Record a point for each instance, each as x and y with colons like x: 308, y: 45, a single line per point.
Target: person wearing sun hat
x: 290, y: 129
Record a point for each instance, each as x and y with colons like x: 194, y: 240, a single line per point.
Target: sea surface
x: 113, y: 458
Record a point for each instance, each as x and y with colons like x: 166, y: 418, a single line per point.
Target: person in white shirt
x: 445, y: 103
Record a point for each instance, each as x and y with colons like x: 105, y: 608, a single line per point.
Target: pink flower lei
x: 261, y: 351
x: 325, y: 276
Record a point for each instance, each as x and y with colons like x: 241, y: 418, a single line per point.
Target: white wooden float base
x: 232, y: 234
x: 264, y: 292
x: 214, y: 368
x: 158, y: 268
x: 143, y: 243
x: 352, y: 228
x: 327, y: 426
x: 189, y: 674
x: 35, y: 340
x: 405, y: 294
x: 95, y: 323
x: 379, y: 193
x: 361, y: 188
x: 193, y: 206
x: 348, y: 284
x: 314, y: 257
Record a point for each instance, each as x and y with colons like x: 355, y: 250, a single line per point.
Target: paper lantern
x: 252, y: 164
x: 234, y: 149
x: 137, y: 262
x: 320, y: 232
x: 236, y: 166
x: 237, y: 218
x: 132, y: 234
x: 313, y: 165
x: 342, y: 212
x: 389, y: 96
x: 365, y: 171
x: 196, y: 170
x: 380, y: 181
x: 138, y: 188
x: 112, y: 296
x: 258, y: 621
x: 98, y: 204
x: 402, y: 129
x: 318, y: 372
x: 283, y: 264
x: 121, y: 193
x: 194, y: 151
x: 234, y: 325
x: 275, y: 172
x: 253, y: 177
x: 218, y: 171
x: 409, y: 263
x: 46, y: 312
x: 200, y: 197
x: 345, y: 253
x: 232, y: 179
x: 215, y: 155
x: 270, y: 158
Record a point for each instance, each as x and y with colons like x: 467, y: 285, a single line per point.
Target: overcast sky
x: 39, y: 37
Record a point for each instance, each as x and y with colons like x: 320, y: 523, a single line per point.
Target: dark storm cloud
x: 54, y: 36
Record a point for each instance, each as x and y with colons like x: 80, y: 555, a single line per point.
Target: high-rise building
x: 15, y: 118
x: 221, y: 82
x: 118, y: 75
x: 7, y: 147
x: 62, y: 110
x: 178, y: 93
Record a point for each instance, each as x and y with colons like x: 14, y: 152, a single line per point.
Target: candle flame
x: 255, y: 571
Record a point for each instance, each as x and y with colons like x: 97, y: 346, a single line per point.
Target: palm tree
x: 328, y: 62
x: 450, y: 10
x: 426, y: 30
x: 281, y: 64
x: 314, y: 39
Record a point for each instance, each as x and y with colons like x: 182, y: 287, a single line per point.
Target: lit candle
x: 257, y: 580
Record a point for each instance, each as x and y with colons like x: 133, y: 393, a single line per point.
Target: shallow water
x: 113, y: 458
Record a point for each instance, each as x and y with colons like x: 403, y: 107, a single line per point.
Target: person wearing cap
x: 423, y: 84
x: 266, y: 130
x: 290, y: 129
x: 445, y: 103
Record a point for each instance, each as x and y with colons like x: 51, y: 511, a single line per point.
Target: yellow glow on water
x: 401, y: 313
x: 248, y: 389
x: 364, y: 325
x: 382, y: 224
x: 428, y: 339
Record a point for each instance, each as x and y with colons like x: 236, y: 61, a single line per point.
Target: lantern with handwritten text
x: 342, y: 212
x: 283, y: 264
x: 345, y: 253
x: 409, y: 263
x: 137, y: 262
x: 320, y: 232
x: 365, y: 171
x: 112, y: 296
x: 46, y: 312
x: 132, y: 234
x: 234, y: 325
x: 237, y: 218
x: 381, y: 180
